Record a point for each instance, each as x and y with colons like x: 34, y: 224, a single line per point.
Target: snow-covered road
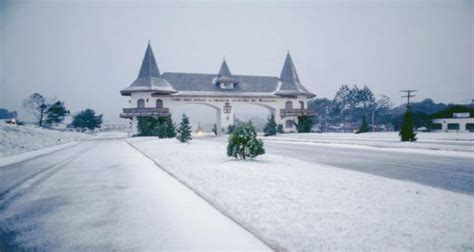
x: 104, y: 195
x: 447, y: 170
x: 449, y: 173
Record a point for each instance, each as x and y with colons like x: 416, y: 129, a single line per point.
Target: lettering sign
x: 224, y: 100
x: 461, y: 115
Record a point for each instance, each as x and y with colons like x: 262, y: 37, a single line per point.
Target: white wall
x: 273, y: 104
x: 445, y: 121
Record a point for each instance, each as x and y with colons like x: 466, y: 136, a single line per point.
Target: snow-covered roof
x: 150, y: 79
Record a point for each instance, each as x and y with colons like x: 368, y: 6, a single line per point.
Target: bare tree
x: 36, y: 105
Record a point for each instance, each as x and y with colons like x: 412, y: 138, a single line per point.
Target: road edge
x: 268, y: 242
x: 29, y: 155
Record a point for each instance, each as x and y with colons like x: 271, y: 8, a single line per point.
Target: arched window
x: 289, y: 105
x: 289, y: 124
x: 140, y: 103
x: 301, y: 104
x: 159, y: 103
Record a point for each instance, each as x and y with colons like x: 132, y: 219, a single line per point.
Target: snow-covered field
x: 19, y: 139
x: 427, y: 141
x: 304, y: 206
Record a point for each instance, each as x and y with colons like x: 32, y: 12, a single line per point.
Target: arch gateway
x: 157, y: 94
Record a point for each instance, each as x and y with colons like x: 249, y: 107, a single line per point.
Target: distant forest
x: 351, y: 104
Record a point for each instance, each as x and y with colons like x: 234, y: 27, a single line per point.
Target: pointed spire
x: 224, y: 71
x: 288, y: 73
x: 149, y: 67
x: 149, y: 77
x: 290, y: 82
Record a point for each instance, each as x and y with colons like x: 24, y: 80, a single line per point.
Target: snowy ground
x: 19, y: 139
x: 426, y: 141
x: 103, y: 195
x: 304, y: 206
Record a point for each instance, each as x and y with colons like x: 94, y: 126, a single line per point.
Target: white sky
x: 85, y: 52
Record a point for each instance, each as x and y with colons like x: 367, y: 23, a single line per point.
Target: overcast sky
x: 85, y: 52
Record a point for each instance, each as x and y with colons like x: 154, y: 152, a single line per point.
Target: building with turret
x: 157, y: 94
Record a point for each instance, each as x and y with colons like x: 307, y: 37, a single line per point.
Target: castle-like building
x: 157, y: 94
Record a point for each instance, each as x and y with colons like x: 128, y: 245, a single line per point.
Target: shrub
x: 304, y: 124
x: 270, y: 128
x: 243, y: 143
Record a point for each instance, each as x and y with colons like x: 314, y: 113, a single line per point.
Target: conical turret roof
x: 149, y: 67
x: 224, y: 71
x: 224, y: 74
x: 149, y: 77
x: 288, y: 73
x: 290, y: 82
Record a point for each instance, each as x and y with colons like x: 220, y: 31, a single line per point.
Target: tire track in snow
x: 28, y: 183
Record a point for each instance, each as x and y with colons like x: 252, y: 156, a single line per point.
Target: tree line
x: 49, y: 112
x: 360, y: 106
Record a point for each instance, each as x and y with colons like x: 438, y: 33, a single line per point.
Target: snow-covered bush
x: 243, y: 143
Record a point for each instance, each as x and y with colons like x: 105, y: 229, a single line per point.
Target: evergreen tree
x: 364, y: 126
x: 270, y: 128
x: 230, y: 129
x: 214, y: 129
x: 147, y: 126
x: 55, y: 113
x: 170, y: 127
x: 406, y: 131
x: 304, y: 124
x: 243, y: 143
x: 165, y: 127
x: 184, y: 131
x: 87, y: 119
x: 280, y: 129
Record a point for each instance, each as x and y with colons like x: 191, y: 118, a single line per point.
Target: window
x: 470, y: 127
x: 453, y: 126
x: 289, y: 124
x: 227, y: 85
x: 159, y: 103
x: 436, y: 126
x: 289, y: 105
x: 301, y: 104
x: 140, y: 103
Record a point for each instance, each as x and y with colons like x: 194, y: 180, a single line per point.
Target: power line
x: 409, y: 95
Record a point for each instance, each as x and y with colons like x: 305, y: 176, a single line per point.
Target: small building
x: 455, y: 119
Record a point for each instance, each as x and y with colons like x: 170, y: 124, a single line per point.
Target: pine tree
x: 170, y: 127
x: 55, y: 113
x: 280, y: 129
x: 364, y: 126
x: 147, y: 126
x: 243, y: 143
x: 214, y: 129
x: 184, y: 131
x: 270, y: 128
x: 87, y: 119
x: 230, y: 129
x: 406, y: 131
x: 165, y: 127
x: 304, y: 125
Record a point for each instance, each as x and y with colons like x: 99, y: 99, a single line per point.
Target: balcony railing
x: 131, y: 112
x: 296, y: 112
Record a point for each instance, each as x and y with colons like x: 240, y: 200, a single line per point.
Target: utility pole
x: 410, y: 94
